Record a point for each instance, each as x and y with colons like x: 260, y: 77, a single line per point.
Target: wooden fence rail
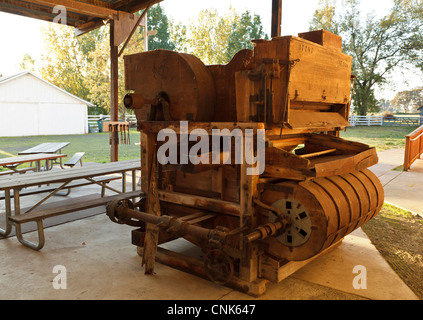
x: 413, y: 147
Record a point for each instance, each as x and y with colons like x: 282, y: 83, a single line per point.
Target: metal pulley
x: 219, y: 266
x: 113, y: 208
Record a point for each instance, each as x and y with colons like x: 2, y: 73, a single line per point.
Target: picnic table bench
x: 64, y: 179
x: 77, y: 157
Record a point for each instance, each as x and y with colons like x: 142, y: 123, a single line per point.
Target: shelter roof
x: 84, y: 15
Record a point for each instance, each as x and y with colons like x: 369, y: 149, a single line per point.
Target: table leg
x: 6, y: 232
x: 124, y: 181
x: 60, y: 160
x: 134, y: 180
x: 19, y: 236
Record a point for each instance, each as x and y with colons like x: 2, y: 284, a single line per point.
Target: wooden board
x: 324, y: 38
x: 27, y: 180
x: 107, y: 124
x: 316, y: 120
x: 224, y: 78
x: 47, y: 147
x: 69, y: 205
x: 29, y: 158
x: 311, y: 76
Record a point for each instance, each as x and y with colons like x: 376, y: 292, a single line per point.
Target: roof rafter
x: 80, y: 7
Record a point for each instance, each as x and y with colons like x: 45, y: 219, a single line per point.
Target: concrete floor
x: 101, y: 263
x: 402, y: 189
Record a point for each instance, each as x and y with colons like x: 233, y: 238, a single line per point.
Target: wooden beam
x: 114, y: 93
x: 276, y: 18
x: 133, y: 27
x: 139, y: 6
x: 81, y: 7
x: 89, y: 26
x: 37, y: 11
x: 98, y: 22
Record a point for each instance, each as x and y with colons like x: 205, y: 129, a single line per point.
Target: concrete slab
x: 402, y: 189
x: 101, y: 263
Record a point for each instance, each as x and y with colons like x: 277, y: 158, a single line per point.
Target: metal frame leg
x: 29, y: 244
x: 8, y: 230
x: 40, y: 227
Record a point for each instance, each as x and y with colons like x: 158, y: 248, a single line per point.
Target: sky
x: 20, y: 35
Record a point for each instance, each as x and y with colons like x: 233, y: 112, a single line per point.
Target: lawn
x: 95, y: 145
x: 382, y: 138
x: 398, y: 236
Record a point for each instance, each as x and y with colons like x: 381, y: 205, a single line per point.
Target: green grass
x: 95, y: 145
x: 390, y: 211
x: 382, y: 138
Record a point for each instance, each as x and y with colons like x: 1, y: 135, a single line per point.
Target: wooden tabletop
x: 12, y: 161
x: 57, y: 176
x: 47, y: 147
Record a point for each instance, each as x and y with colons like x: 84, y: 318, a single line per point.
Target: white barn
x: 32, y: 106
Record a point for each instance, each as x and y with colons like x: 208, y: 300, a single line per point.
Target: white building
x: 31, y: 106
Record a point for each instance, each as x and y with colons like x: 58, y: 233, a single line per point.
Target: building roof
x: 84, y: 15
x: 21, y: 74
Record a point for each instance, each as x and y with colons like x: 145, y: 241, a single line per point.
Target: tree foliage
x: 81, y: 65
x: 378, y: 45
x: 215, y: 39
x: 27, y: 63
x: 408, y: 100
x: 158, y: 20
x: 65, y: 64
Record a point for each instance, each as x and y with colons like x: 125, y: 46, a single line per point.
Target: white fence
x: 354, y: 120
x: 381, y: 121
x: 366, y: 120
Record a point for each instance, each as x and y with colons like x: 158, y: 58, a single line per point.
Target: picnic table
x: 55, y: 181
x: 12, y: 163
x: 47, y: 148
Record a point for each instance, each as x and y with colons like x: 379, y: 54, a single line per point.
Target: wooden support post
x: 114, y: 93
x: 150, y: 187
x: 276, y: 18
x: 248, y: 269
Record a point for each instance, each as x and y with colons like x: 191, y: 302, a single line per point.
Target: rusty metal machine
x: 251, y: 226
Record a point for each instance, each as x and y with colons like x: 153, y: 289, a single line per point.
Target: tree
x: 408, y: 100
x: 64, y: 65
x: 215, y: 39
x: 81, y: 65
x: 378, y: 46
x: 244, y: 29
x: 157, y: 20
x: 324, y: 17
x: 98, y: 68
x: 28, y: 63
x: 207, y: 38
